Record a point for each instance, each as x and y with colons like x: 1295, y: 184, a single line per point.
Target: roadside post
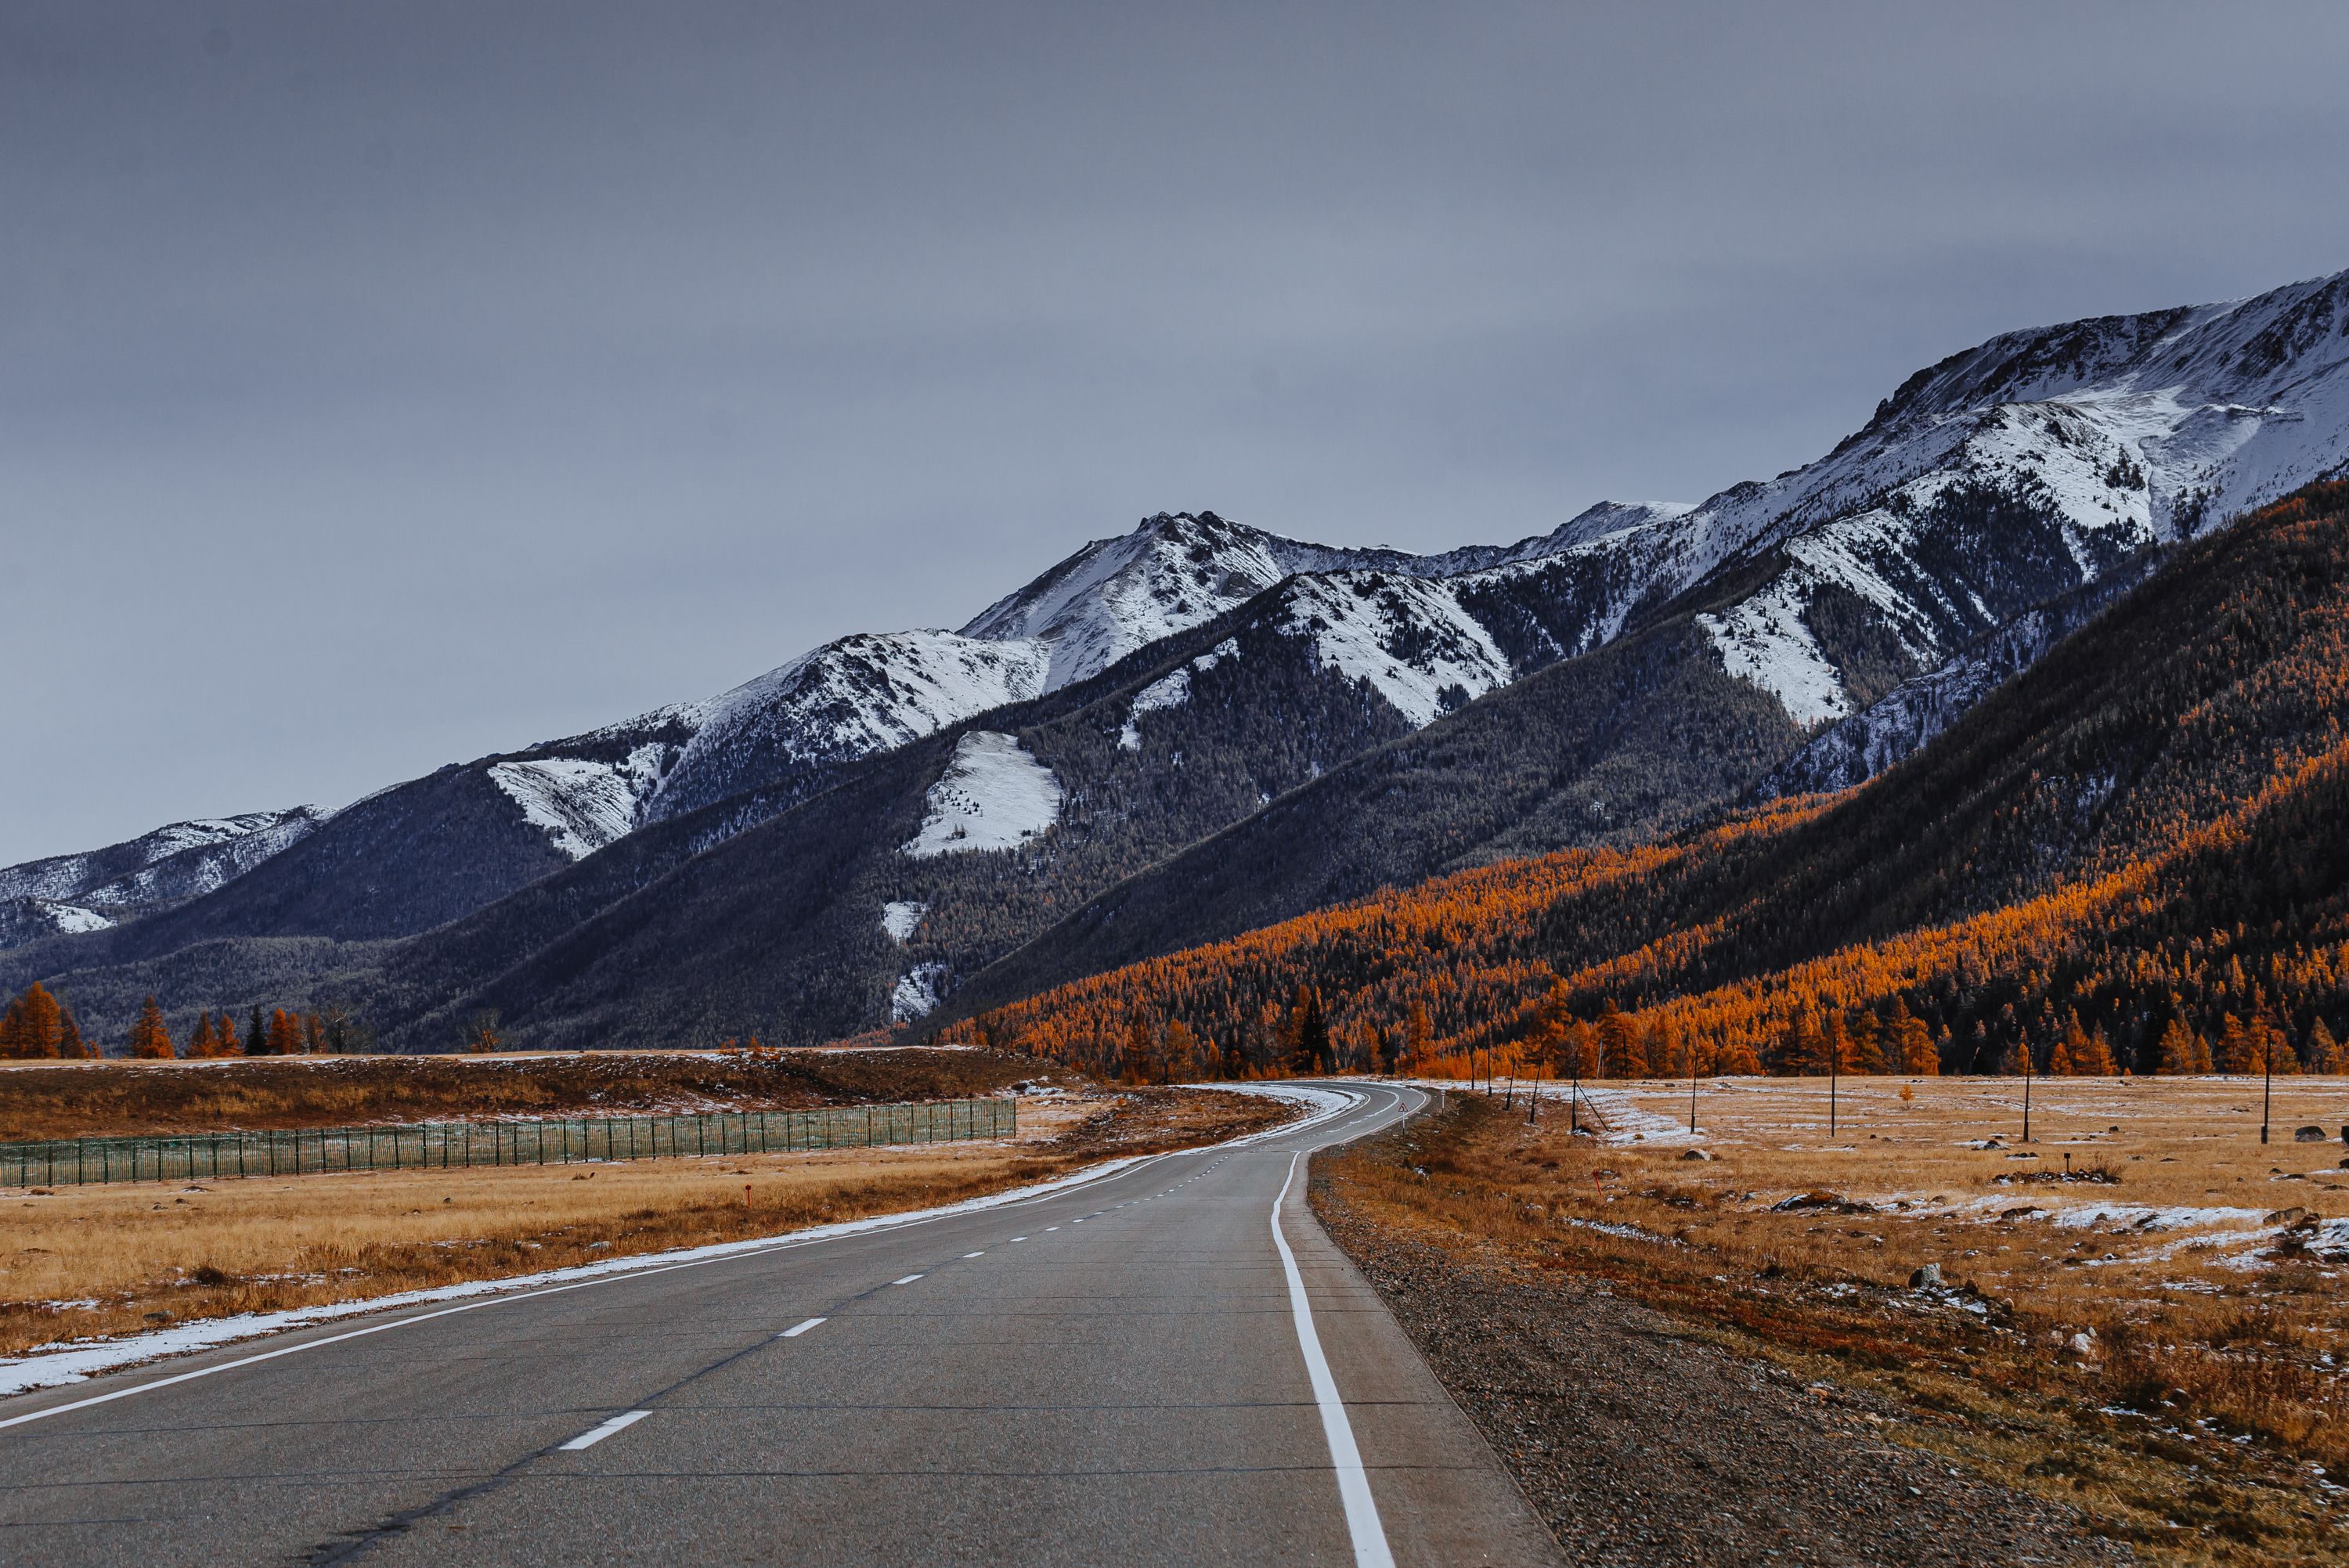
x: 1835, y: 1062
x: 2029, y: 1071
x: 2267, y: 1089
x: 1691, y: 1050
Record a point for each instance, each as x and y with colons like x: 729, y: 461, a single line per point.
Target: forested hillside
x: 2134, y: 854
x: 1197, y: 728
x: 1628, y: 742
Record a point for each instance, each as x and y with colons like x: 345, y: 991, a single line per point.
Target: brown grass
x: 112, y: 1260
x: 125, y: 1098
x: 2202, y: 1388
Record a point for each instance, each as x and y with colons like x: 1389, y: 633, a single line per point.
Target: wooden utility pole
x: 1835, y: 1062
x: 1692, y: 1051
x: 2029, y: 1071
x: 2267, y: 1089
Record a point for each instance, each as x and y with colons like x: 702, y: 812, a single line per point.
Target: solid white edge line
x: 1109, y: 1172
x: 593, y: 1435
x: 1370, y: 1549
x: 796, y: 1329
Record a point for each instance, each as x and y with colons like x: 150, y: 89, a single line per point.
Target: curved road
x: 1141, y: 1370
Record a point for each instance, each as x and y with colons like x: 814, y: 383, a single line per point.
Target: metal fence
x: 437, y: 1145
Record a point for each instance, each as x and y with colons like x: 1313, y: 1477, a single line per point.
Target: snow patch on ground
x: 993, y: 796
x: 582, y: 805
x: 1625, y: 1121
x: 900, y: 916
x: 916, y: 994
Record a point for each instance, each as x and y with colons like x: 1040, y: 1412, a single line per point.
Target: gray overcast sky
x: 384, y: 385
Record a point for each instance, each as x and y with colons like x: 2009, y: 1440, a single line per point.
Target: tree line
x: 2130, y: 859
x: 37, y: 1026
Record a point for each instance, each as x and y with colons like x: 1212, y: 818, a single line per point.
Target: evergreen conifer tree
x: 1908, y: 1045
x: 1313, y: 1047
x: 2325, y: 1054
x: 1866, y: 1043
x: 1835, y: 1044
x: 2174, y: 1054
x: 1737, y: 1059
x: 1619, y: 1046
x: 148, y: 1039
x: 39, y: 1028
x: 2237, y: 1053
x: 70, y: 1043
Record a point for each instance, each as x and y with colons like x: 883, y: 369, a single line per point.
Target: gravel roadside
x: 1638, y: 1444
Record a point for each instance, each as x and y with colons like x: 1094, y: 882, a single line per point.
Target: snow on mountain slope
x: 1901, y: 721
x: 917, y: 993
x: 1178, y: 569
x: 992, y: 796
x: 867, y: 694
x: 1998, y: 480
x: 848, y: 698
x: 583, y: 805
x: 1171, y: 573
x: 2006, y: 474
x: 65, y: 894
x: 1408, y: 636
x: 1170, y: 691
x: 24, y: 920
x: 111, y: 877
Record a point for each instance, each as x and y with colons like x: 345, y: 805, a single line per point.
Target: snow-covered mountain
x: 93, y: 890
x: 1868, y: 592
x: 2002, y: 476
x: 1384, y: 615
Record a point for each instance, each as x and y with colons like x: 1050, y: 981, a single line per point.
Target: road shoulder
x: 1444, y: 1495
x: 1638, y: 1443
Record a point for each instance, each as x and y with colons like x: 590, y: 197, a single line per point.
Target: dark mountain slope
x: 764, y: 914
x: 2145, y: 826
x: 779, y: 931
x: 1634, y: 739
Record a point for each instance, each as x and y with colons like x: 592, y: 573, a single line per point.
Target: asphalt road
x: 1117, y: 1374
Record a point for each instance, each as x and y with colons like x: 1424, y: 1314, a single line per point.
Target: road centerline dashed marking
x: 796, y: 1329
x: 907, y: 1280
x: 968, y: 1256
x: 593, y: 1435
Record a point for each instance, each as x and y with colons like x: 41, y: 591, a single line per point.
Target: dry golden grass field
x: 2155, y: 1327
x: 115, y: 1097
x: 77, y: 1262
